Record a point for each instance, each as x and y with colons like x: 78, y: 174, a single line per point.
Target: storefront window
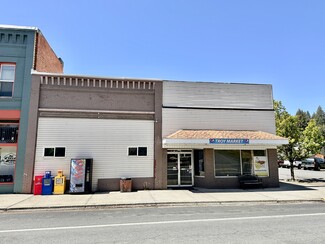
x: 199, y: 163
x: 7, y: 164
x: 240, y: 162
x: 8, y: 133
x: 227, y: 163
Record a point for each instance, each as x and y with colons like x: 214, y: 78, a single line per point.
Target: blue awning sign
x: 228, y: 141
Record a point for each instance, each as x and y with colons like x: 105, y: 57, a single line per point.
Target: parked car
x: 308, y: 163
x: 320, y: 163
x: 313, y: 163
x: 286, y: 164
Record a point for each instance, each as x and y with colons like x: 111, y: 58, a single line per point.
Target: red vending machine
x: 81, y: 175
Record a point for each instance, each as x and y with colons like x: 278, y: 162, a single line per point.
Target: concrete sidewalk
x: 287, y: 192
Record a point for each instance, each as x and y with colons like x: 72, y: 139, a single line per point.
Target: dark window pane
x: 259, y: 153
x: 142, y: 151
x: 247, y: 162
x: 132, y: 151
x: 49, y: 152
x: 8, y: 134
x: 60, y: 152
x: 227, y: 162
x: 172, y: 169
x: 6, y: 89
x: 199, y: 163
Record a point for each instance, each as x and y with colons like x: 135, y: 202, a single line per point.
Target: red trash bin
x: 38, y: 185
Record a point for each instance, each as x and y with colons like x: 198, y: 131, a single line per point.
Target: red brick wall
x: 45, y: 58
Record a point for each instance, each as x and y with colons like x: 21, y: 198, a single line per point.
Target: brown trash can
x: 125, y: 185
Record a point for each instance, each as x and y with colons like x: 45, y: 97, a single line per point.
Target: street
x: 303, y: 175
x: 226, y: 223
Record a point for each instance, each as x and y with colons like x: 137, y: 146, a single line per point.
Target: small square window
x: 60, y: 152
x: 49, y: 152
x: 142, y: 151
x: 133, y: 151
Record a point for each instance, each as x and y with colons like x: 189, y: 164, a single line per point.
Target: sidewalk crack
x: 19, y: 202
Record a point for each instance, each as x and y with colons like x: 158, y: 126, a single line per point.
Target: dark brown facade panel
x: 66, y: 98
x: 45, y: 58
x: 160, y: 163
x: 273, y: 179
x: 114, y: 184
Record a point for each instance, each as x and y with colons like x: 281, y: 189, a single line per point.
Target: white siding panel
x: 217, y: 95
x: 106, y: 141
x: 177, y: 119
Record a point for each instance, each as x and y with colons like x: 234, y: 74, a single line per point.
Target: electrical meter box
x: 47, y: 183
x: 59, y: 183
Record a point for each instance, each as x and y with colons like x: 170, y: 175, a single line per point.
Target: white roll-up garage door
x: 106, y: 141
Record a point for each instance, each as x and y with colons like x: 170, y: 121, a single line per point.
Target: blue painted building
x: 22, y: 49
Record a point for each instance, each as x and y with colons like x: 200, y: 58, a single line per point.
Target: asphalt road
x: 258, y: 223
x: 304, y: 175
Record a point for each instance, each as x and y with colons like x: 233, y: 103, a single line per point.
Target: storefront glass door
x: 179, y: 169
x: 172, y: 169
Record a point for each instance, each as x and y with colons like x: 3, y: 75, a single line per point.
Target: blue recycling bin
x: 47, y: 183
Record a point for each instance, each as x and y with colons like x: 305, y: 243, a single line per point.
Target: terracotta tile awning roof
x: 222, y: 139
x: 207, y: 134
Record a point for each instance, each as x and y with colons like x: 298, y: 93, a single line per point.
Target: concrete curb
x: 152, y: 205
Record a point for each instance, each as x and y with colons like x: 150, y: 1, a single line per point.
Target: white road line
x: 162, y: 222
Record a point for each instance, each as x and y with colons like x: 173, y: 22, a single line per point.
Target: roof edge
x: 18, y: 27
x: 34, y: 72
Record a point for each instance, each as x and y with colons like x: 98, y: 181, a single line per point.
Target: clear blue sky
x: 278, y: 42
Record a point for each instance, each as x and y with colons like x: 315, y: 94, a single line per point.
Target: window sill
x: 50, y: 157
x: 225, y: 177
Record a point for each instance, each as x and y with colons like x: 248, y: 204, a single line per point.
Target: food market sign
x: 228, y: 141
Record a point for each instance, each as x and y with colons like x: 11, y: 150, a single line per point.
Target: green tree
x: 280, y: 112
x: 288, y: 127
x: 313, y: 140
x: 305, y: 138
x: 319, y: 116
x: 303, y: 118
x: 322, y: 130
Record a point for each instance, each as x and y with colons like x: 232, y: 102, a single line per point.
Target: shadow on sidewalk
x: 284, y: 186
